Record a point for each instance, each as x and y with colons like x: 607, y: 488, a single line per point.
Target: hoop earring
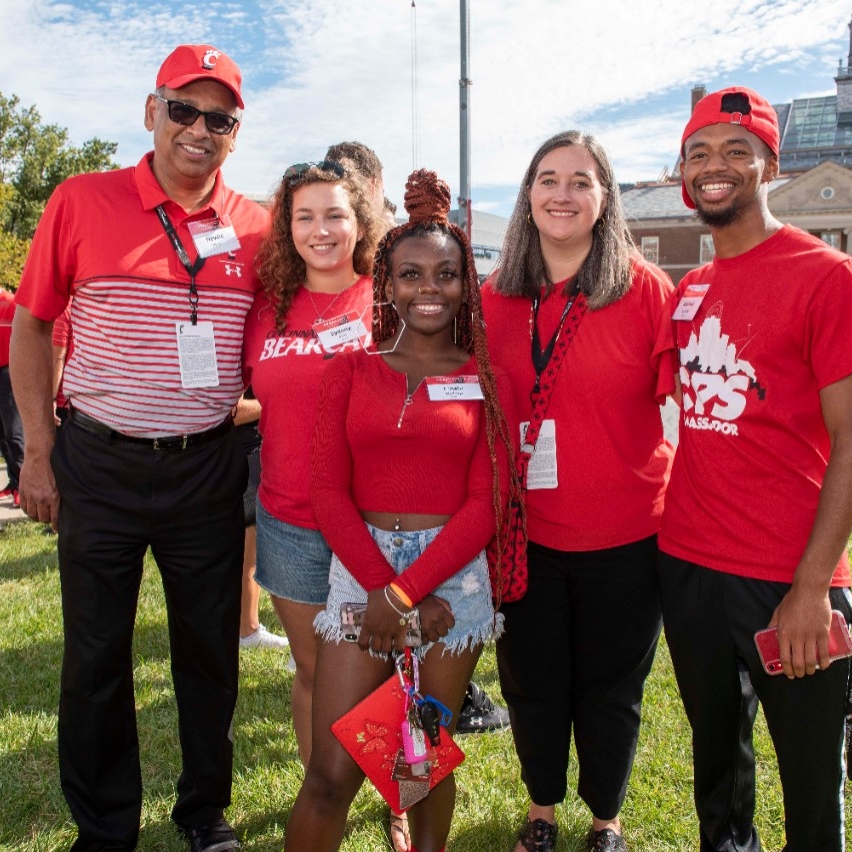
x: 602, y: 222
x: 530, y: 219
x: 456, y: 329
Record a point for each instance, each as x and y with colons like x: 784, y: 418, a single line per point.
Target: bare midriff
x: 407, y: 523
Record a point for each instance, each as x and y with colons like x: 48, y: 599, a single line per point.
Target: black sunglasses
x: 295, y: 172
x: 216, y: 122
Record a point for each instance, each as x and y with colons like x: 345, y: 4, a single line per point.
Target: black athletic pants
x: 710, y: 620
x: 117, y: 500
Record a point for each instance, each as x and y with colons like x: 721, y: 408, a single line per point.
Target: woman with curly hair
x: 579, y: 645
x: 315, y: 265
x: 409, y: 486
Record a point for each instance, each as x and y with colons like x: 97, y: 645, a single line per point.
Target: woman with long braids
x: 578, y: 647
x: 316, y: 266
x: 409, y: 486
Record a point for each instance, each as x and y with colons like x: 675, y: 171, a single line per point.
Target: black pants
x: 11, y: 429
x: 116, y: 500
x: 576, y: 652
x: 710, y: 621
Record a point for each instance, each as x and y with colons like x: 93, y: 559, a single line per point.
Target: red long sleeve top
x: 377, y: 448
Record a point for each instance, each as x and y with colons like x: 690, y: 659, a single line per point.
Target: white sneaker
x: 263, y: 638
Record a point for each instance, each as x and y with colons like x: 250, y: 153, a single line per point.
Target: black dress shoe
x: 216, y: 837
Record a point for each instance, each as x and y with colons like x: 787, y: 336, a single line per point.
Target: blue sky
x: 319, y: 71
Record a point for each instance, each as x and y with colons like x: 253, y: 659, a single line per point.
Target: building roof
x: 813, y: 130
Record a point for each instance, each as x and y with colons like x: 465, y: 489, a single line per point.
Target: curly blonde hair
x: 280, y: 267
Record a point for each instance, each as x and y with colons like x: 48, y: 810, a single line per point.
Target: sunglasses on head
x: 216, y: 122
x: 295, y: 172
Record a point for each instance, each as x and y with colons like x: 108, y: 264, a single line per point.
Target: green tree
x: 34, y: 159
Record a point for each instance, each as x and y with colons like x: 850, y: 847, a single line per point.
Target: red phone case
x: 839, y: 644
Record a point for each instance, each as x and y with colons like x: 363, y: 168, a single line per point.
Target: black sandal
x: 605, y: 840
x: 538, y: 835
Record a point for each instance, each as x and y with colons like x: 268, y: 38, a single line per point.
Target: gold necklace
x: 329, y: 305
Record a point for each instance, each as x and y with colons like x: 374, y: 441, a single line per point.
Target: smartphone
x: 839, y: 644
x: 350, y: 622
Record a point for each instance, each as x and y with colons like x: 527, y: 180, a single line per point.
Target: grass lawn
x: 658, y: 814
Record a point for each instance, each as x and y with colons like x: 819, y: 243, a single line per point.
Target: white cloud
x: 319, y: 71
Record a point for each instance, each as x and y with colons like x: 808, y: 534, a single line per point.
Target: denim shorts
x: 292, y: 562
x: 468, y: 592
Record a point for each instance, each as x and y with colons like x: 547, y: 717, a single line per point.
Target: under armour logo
x: 209, y: 59
x: 229, y: 269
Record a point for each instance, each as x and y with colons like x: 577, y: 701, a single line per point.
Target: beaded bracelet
x: 404, y: 617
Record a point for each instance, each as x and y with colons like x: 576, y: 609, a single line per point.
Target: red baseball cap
x: 735, y: 105
x: 190, y: 62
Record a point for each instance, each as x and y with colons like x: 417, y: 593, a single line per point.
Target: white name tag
x: 441, y: 388
x: 197, y: 355
x: 337, y: 331
x: 542, y: 472
x: 691, y: 301
x: 213, y: 236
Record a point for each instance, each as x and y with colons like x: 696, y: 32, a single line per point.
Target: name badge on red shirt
x: 337, y: 331
x: 444, y: 388
x: 691, y: 301
x: 213, y: 236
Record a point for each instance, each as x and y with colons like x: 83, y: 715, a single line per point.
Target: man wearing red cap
x: 158, y: 259
x: 759, y: 507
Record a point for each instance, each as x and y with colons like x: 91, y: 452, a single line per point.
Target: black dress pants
x: 117, y: 499
x: 710, y: 621
x: 575, y: 654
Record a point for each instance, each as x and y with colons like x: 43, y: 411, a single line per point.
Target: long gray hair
x: 604, y: 275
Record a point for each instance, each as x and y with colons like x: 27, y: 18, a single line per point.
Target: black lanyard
x: 191, y: 268
x: 541, y: 358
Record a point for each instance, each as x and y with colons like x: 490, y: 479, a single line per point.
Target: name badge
x: 197, y: 355
x: 691, y: 301
x: 443, y: 388
x: 213, y: 236
x: 542, y: 472
x: 338, y: 331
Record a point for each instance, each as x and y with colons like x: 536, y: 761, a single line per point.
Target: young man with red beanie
x: 759, y: 506
x: 158, y: 260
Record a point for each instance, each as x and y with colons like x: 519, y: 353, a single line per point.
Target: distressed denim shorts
x: 468, y: 592
x: 292, y: 562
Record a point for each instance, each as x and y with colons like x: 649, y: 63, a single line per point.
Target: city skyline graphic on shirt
x: 716, y: 380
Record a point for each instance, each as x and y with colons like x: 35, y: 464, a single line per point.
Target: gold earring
x: 529, y: 219
x: 420, y: 290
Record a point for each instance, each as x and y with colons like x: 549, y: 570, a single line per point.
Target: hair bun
x: 427, y: 197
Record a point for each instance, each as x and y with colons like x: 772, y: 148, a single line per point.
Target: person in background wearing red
x: 63, y: 346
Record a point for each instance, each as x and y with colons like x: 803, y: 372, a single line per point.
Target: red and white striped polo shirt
x: 100, y: 240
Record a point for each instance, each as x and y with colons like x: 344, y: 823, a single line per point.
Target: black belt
x: 169, y: 442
